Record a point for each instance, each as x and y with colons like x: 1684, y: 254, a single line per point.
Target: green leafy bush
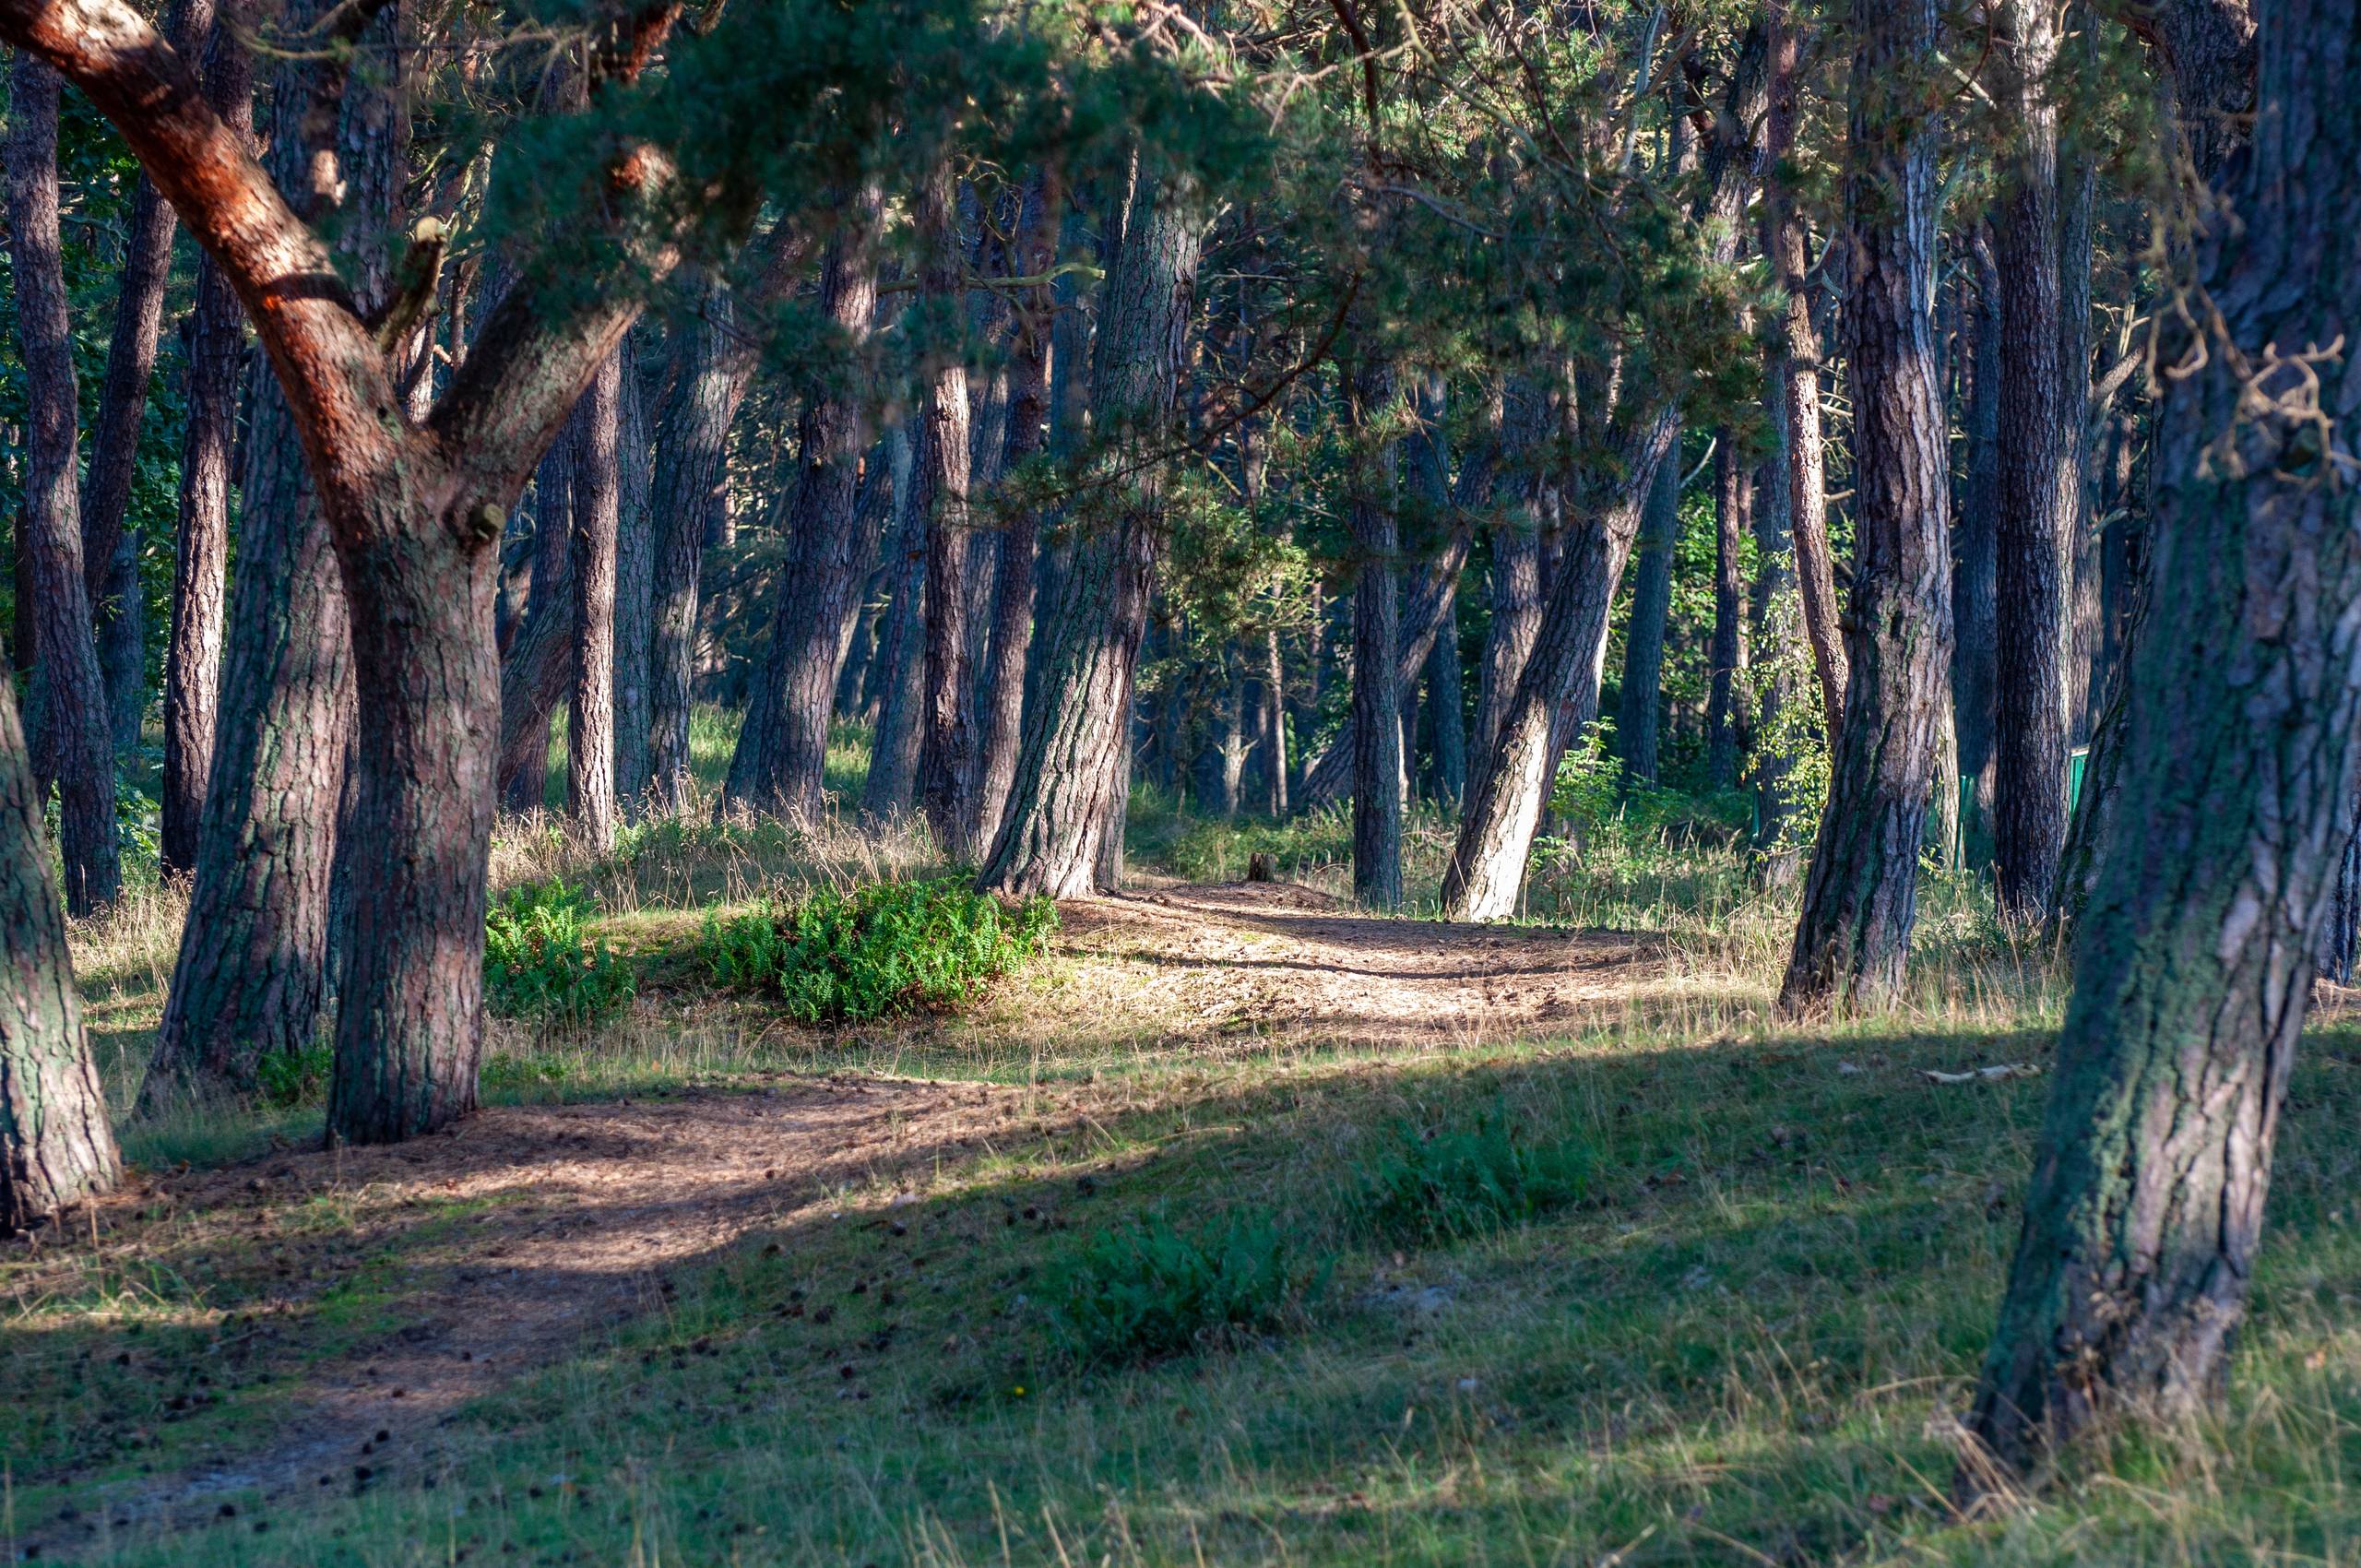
x: 540, y: 961
x: 887, y: 948
x: 1449, y: 1183
x: 1147, y: 1290
x: 285, y: 1080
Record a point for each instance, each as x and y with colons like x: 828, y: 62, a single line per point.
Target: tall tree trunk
x: 110, y: 544
x: 1795, y: 369
x: 1026, y: 429
x: 634, y: 586
x: 2029, y: 731
x: 56, y: 1148
x: 1063, y: 830
x: 536, y: 672
x: 894, y: 744
x: 1515, y: 581
x: 1275, y: 721
x: 1725, y: 710
x: 1775, y: 618
x: 591, y: 718
x: 2243, y: 741
x: 1860, y: 895
x: 1642, y: 694
x: 201, y: 539
x: 946, y: 781
x: 73, y: 693
x: 783, y: 745
x: 1974, y: 613
x: 1377, y: 685
x: 1446, y: 701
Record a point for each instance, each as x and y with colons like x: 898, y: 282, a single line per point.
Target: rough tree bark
x: 1376, y: 627
x: 414, y: 512
x: 1795, y: 371
x: 2242, y: 741
x: 1003, y: 716
x: 1073, y: 765
x: 73, y: 715
x: 535, y: 671
x: 56, y: 1146
x: 1642, y: 696
x: 1860, y: 894
x: 635, y: 584
x: 1975, y: 670
x: 783, y: 745
x: 2029, y: 708
x: 591, y: 715
x: 894, y: 744
x: 1725, y: 712
x: 201, y: 541
x: 946, y: 779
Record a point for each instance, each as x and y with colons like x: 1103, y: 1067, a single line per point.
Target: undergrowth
x: 541, y: 961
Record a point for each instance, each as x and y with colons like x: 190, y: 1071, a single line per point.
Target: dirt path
x: 582, y: 1211
x: 1262, y: 960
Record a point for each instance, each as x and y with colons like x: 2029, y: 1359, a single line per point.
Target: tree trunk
x: 1775, y: 614
x: 1726, y: 711
x: 894, y: 744
x: 634, y: 587
x: 1275, y: 721
x: 1377, y: 685
x: 74, y: 718
x: 710, y: 374
x: 1796, y: 372
x: 1063, y: 831
x: 2029, y: 731
x: 1446, y: 701
x: 2244, y: 736
x: 536, y: 673
x: 110, y: 545
x: 56, y: 1146
x: 1860, y: 894
x: 1515, y: 584
x: 201, y: 539
x: 1026, y: 429
x: 783, y: 745
x: 947, y: 740
x: 1642, y: 694
x: 591, y: 718
x: 1974, y: 613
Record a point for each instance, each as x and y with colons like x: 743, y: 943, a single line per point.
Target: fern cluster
x: 540, y: 961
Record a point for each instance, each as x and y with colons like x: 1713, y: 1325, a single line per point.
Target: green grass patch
x: 1146, y: 1290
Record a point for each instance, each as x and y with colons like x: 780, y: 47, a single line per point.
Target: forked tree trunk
x: 1063, y: 831
x: 1725, y: 710
x: 1377, y: 687
x: 1860, y: 894
x: 201, y: 541
x: 56, y: 1146
x: 946, y: 778
x: 1642, y: 694
x: 590, y: 716
x: 1514, y: 582
x: 415, y: 515
x: 783, y: 744
x: 73, y: 693
x: 2029, y: 731
x: 2195, y: 955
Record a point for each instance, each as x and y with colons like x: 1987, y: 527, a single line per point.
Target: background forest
x: 1180, y: 783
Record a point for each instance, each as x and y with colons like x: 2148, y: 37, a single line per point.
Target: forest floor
x: 702, y: 1286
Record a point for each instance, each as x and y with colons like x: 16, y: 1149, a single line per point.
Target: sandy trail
x: 586, y: 1209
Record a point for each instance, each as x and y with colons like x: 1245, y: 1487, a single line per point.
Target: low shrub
x: 1445, y: 1184
x: 885, y: 947
x: 540, y: 961
x: 284, y: 1079
x: 1146, y: 1292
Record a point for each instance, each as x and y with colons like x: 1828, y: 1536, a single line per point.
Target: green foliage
x: 285, y: 1080
x: 540, y: 961
x: 1793, y: 743
x: 1447, y: 1184
x: 887, y: 948
x: 1146, y: 1291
